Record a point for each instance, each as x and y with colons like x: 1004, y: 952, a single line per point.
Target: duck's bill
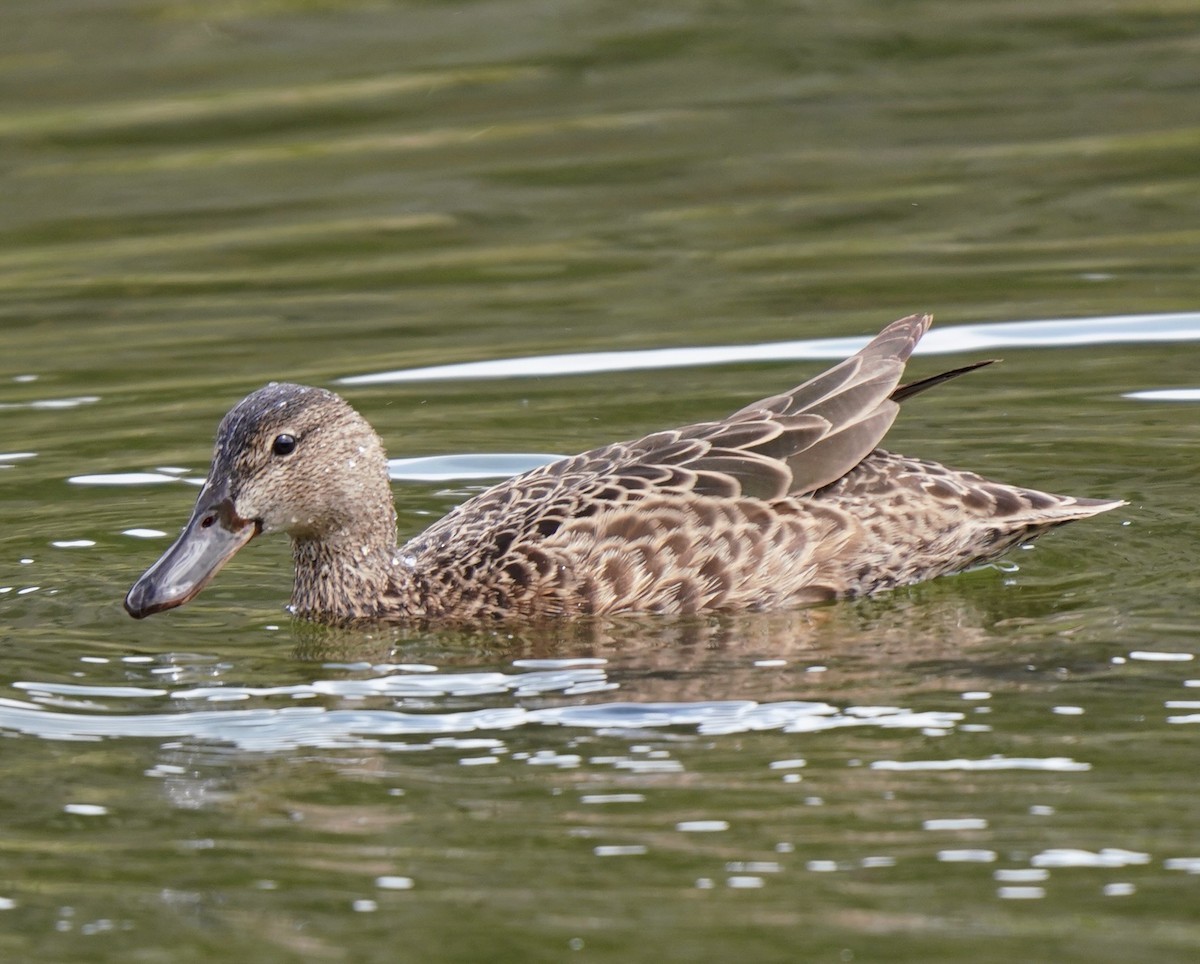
x: 211, y: 538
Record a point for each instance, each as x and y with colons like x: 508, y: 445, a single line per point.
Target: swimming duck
x: 784, y: 503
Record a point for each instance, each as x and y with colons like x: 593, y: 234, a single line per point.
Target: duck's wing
x: 692, y: 498
x: 788, y: 444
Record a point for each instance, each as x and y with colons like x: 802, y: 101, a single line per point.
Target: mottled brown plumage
x: 785, y: 502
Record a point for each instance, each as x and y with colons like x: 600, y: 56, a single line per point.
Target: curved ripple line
x: 467, y: 465
x: 1050, y: 333
x: 1166, y: 395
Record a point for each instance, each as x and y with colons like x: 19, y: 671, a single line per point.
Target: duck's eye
x: 284, y: 444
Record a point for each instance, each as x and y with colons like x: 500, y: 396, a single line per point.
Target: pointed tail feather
x: 921, y: 384
x: 1071, y: 508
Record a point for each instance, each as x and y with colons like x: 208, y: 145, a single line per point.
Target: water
x: 590, y: 221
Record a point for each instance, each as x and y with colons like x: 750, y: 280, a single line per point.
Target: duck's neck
x: 350, y: 574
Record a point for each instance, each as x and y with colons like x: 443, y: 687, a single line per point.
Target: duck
x: 787, y: 502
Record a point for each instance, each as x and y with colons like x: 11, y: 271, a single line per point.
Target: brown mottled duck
x: 784, y: 503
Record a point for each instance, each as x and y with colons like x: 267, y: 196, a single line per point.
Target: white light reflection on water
x: 970, y: 856
x: 464, y: 466
x: 1130, y: 329
x: 1020, y: 893
x: 1167, y: 395
x: 124, y: 478
x: 954, y: 823
x: 53, y: 404
x: 394, y: 883
x: 1021, y: 875
x: 1107, y: 857
x: 1059, y: 764
x: 267, y: 728
x: 473, y: 465
x: 8, y: 458
x: 620, y: 850
x: 421, y: 685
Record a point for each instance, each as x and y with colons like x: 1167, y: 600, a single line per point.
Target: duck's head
x: 288, y: 458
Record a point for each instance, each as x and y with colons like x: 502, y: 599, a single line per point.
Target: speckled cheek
x: 294, y: 524
x: 265, y: 500
x: 249, y: 507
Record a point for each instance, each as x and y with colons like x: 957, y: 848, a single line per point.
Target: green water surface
x: 197, y: 198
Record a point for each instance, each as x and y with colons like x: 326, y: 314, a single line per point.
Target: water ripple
x: 1166, y: 395
x: 1107, y: 857
x: 1060, y: 764
x: 53, y: 404
x: 266, y: 728
x: 1054, y: 333
x: 473, y: 465
x: 432, y: 468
